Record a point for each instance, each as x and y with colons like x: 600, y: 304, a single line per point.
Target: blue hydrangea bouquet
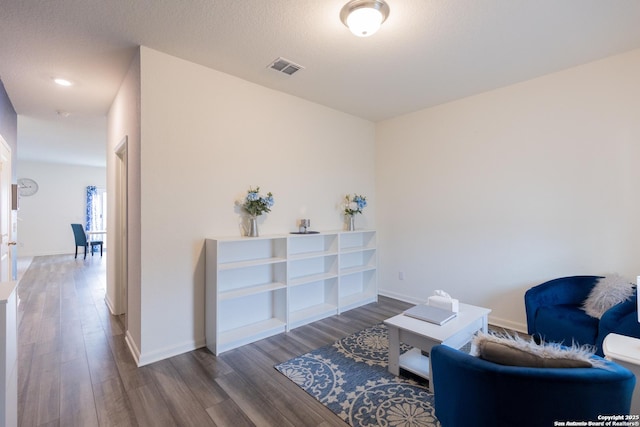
x: 256, y: 204
x: 354, y: 204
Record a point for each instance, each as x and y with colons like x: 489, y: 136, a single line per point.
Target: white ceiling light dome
x: 364, y: 17
x: 62, y: 82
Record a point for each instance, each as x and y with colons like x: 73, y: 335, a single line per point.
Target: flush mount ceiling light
x: 364, y: 17
x: 62, y: 82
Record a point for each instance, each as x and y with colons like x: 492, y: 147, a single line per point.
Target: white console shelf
x: 261, y: 286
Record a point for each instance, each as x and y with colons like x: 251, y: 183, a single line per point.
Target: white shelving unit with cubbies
x: 358, y: 275
x: 261, y: 286
x: 246, y: 291
x: 312, y: 267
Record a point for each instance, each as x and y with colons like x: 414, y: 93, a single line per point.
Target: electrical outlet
x: 401, y: 275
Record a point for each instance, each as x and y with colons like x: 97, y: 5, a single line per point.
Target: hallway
x: 76, y: 370
x: 70, y: 348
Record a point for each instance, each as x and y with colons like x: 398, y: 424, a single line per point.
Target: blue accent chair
x: 470, y: 391
x: 620, y: 319
x: 554, y: 314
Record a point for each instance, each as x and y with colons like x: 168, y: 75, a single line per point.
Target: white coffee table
x: 625, y: 351
x: 423, y: 336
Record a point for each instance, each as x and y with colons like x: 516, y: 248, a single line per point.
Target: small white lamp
x: 364, y: 17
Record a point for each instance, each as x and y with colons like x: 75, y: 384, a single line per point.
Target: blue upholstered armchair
x: 621, y: 319
x: 554, y: 313
x: 472, y: 391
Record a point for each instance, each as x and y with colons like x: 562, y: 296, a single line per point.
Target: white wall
x: 205, y: 138
x: 44, y: 219
x: 484, y: 197
x: 123, y: 122
x: 491, y: 194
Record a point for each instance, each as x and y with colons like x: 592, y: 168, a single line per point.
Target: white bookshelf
x: 312, y: 281
x: 245, y: 293
x: 258, y: 287
x: 358, y: 274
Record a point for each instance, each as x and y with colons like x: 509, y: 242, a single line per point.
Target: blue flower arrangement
x: 255, y: 204
x: 354, y: 204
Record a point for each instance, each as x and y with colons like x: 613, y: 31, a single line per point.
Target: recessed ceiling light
x: 62, y: 82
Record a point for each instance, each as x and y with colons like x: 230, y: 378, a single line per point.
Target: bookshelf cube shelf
x: 258, y: 287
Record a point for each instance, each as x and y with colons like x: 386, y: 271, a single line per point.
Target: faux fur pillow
x: 515, y: 351
x: 608, y: 292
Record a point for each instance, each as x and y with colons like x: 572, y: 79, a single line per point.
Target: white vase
x: 253, y: 226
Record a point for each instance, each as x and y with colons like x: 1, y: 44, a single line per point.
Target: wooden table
x: 423, y: 336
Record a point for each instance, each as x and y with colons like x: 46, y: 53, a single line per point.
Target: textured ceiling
x: 427, y: 52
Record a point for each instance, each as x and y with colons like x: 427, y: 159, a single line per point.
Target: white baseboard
x: 66, y: 252
x: 35, y: 254
x: 400, y: 297
x: 110, y: 305
x: 165, y: 353
x: 133, y: 349
x: 508, y: 324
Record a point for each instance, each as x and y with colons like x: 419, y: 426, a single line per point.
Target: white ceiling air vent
x: 285, y: 66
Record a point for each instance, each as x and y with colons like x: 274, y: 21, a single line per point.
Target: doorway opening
x: 121, y: 230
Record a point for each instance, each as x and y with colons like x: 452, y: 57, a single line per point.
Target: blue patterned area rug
x: 350, y: 377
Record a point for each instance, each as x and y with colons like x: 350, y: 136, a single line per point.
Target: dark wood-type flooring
x: 75, y: 368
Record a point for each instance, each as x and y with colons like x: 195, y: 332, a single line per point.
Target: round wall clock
x: 27, y: 187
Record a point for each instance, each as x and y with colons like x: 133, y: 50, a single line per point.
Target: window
x: 96, y: 219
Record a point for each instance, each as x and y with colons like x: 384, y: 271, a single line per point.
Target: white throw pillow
x: 609, y: 291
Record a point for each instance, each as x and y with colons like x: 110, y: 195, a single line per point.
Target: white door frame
x: 6, y: 228
x: 121, y: 231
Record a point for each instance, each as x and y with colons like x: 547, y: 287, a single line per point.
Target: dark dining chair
x: 81, y: 240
